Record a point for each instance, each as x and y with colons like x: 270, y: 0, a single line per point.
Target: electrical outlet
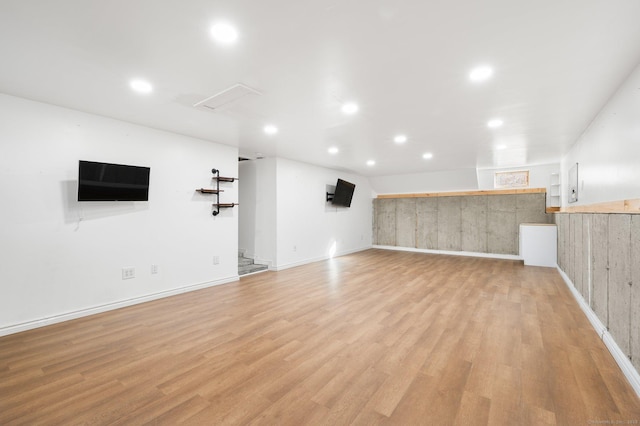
x: 295, y: 248
x: 128, y: 273
x: 154, y: 269
x: 216, y: 260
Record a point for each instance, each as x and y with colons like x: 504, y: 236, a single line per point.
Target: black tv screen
x: 343, y: 193
x: 112, y: 182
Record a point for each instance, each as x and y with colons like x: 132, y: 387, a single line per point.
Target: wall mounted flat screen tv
x: 343, y: 193
x: 112, y: 182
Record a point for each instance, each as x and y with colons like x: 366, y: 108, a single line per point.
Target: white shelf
x: 555, y: 189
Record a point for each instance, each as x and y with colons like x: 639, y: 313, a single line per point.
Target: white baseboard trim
x: 42, y: 322
x: 316, y: 259
x: 454, y: 253
x: 257, y: 260
x: 621, y: 358
x: 260, y: 261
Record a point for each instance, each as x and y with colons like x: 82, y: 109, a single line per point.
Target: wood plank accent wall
x: 600, y: 253
x: 472, y: 223
x: 467, y: 193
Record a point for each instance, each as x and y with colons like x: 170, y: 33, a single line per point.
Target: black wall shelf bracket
x: 216, y: 191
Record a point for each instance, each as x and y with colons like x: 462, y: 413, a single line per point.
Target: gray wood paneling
x: 530, y: 208
x: 605, y: 265
x: 427, y: 223
x: 560, y: 223
x: 620, y: 279
x: 586, y: 258
x: 449, y: 223
x: 386, y: 222
x: 576, y: 249
x: 502, y: 224
x: 406, y: 222
x: 474, y: 224
x: 635, y: 291
x: 600, y: 265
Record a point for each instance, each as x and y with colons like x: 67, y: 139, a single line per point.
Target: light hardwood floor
x: 377, y: 337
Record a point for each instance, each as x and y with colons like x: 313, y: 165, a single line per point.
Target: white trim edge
x: 623, y: 362
x: 453, y: 253
x: 316, y: 259
x: 42, y: 322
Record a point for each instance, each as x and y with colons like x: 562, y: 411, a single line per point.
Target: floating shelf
x: 224, y: 179
x: 555, y: 189
x: 216, y: 191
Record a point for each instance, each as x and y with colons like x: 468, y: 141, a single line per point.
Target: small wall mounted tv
x: 343, y: 193
x: 112, y: 182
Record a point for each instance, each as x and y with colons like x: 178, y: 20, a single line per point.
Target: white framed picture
x: 512, y: 179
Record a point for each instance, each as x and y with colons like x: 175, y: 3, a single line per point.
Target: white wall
x: 247, y: 208
x: 440, y: 181
x: 539, y: 177
x: 608, y: 152
x: 308, y: 226
x: 257, y: 210
x: 457, y: 180
x: 61, y: 257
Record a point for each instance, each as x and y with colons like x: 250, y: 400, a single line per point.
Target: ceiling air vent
x: 227, y: 97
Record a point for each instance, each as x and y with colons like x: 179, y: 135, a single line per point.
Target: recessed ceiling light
x: 333, y: 150
x: 371, y: 163
x: 141, y: 86
x: 224, y: 33
x: 400, y: 139
x: 495, y: 123
x: 481, y: 73
x: 501, y: 147
x: 427, y: 155
x: 350, y: 108
x: 270, y: 129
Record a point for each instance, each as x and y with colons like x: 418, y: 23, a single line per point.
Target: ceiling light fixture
x: 481, y: 73
x: 333, y: 150
x: 427, y: 156
x: 350, y: 108
x: 270, y: 129
x: 495, y: 123
x: 141, y: 86
x: 400, y: 139
x: 224, y: 33
x: 371, y: 163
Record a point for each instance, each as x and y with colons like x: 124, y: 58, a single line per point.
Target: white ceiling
x: 405, y: 62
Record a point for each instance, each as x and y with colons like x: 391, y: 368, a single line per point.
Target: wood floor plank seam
x: 373, y: 338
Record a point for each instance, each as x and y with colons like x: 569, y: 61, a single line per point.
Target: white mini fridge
x: 539, y: 244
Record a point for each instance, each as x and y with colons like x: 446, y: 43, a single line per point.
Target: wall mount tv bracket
x: 330, y: 196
